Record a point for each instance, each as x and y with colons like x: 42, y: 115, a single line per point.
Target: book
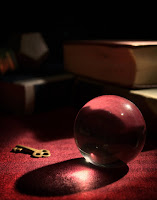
x: 131, y: 64
x: 28, y: 94
x: 144, y: 99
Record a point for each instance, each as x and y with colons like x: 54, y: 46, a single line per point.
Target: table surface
x: 65, y: 174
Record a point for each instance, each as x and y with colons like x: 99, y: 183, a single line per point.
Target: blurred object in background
x: 30, y: 48
x: 7, y: 61
x: 35, y: 53
x: 33, y: 50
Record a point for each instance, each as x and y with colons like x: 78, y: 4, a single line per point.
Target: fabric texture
x: 65, y: 174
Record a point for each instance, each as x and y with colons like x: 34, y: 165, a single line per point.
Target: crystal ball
x: 109, y: 131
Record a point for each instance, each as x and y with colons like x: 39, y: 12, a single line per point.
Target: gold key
x: 34, y: 152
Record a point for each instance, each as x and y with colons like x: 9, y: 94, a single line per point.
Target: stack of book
x: 124, y: 68
x: 28, y: 93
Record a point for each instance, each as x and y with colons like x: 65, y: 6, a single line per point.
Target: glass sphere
x: 109, y: 130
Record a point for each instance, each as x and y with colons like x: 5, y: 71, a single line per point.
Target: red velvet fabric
x: 65, y: 174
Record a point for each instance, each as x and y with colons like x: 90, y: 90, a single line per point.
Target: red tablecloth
x: 65, y: 174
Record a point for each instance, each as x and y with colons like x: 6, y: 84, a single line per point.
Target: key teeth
x: 14, y: 149
x: 17, y: 149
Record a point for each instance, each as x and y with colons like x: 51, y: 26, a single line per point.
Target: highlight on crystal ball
x: 109, y: 131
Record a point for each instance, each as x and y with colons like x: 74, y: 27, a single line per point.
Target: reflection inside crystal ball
x: 109, y: 131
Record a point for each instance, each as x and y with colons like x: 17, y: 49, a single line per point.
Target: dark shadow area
x: 68, y: 177
x: 55, y: 124
x: 98, y: 122
x: 45, y: 126
x: 149, y: 147
x: 151, y: 143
